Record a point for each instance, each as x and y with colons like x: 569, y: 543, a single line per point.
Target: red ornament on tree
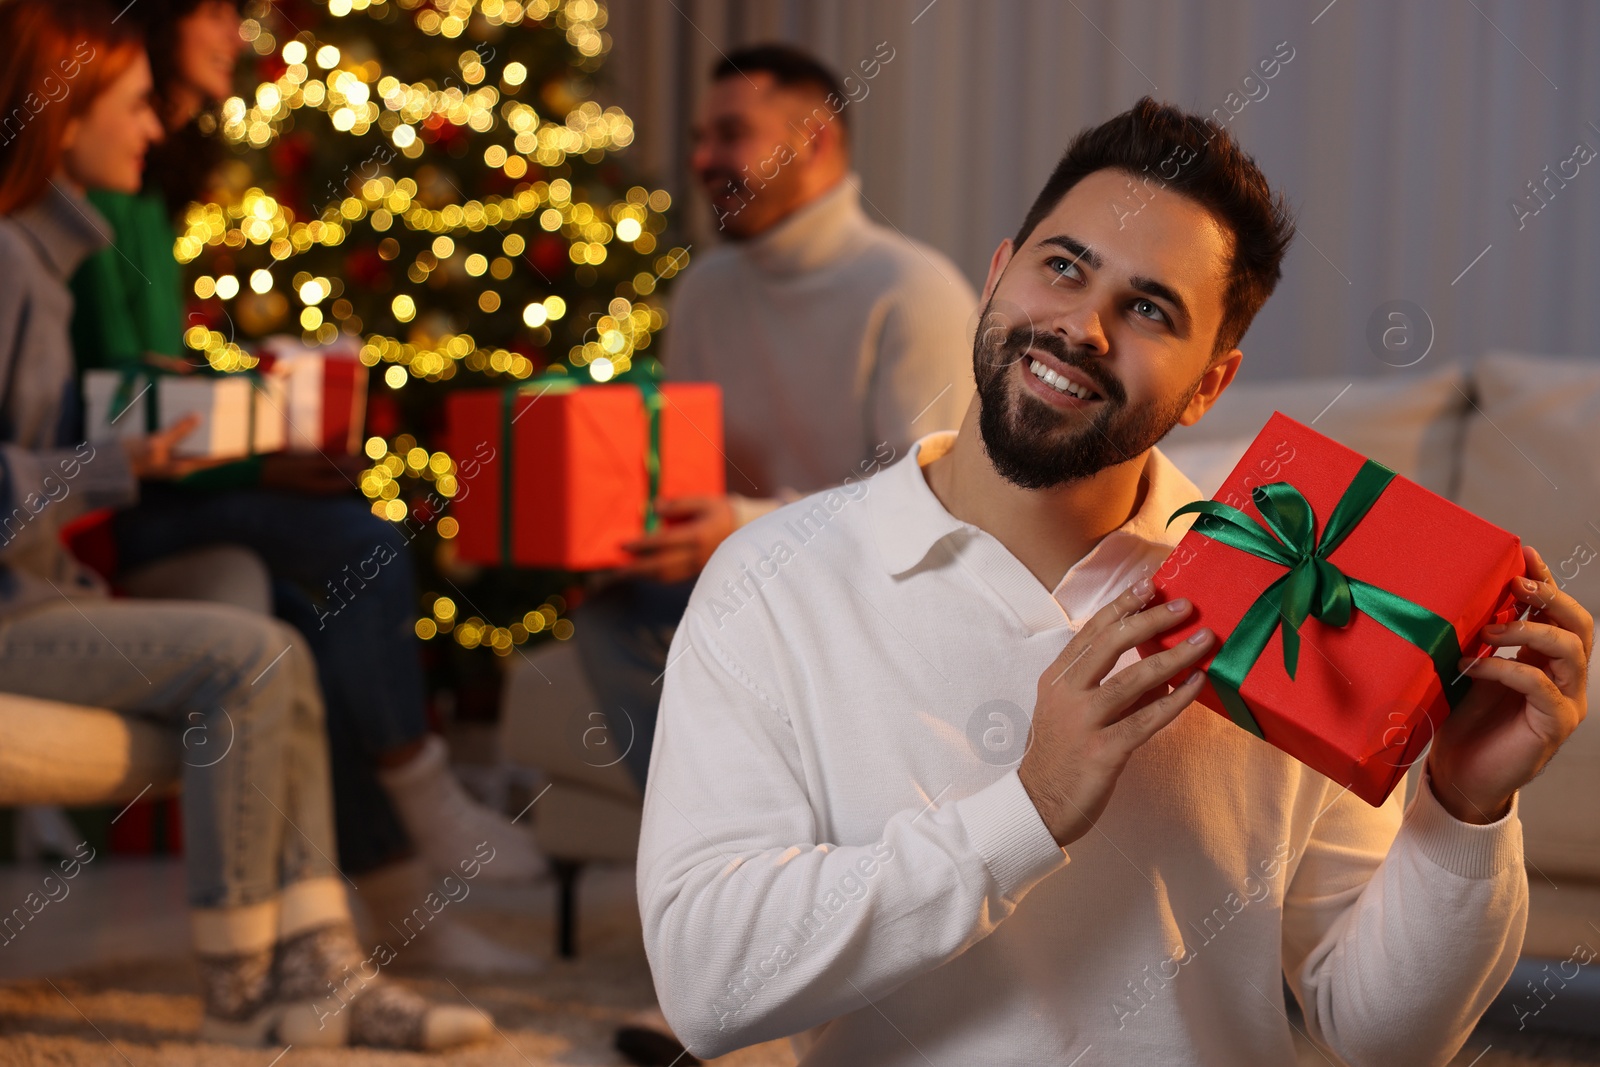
x: 549, y: 256
x: 291, y: 156
x: 366, y: 268
x: 383, y: 414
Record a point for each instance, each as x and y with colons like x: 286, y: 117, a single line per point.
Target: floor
x: 100, y: 977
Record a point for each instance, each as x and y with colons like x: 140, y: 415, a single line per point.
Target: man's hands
x: 693, y: 527
x: 1518, y: 712
x: 1086, y: 726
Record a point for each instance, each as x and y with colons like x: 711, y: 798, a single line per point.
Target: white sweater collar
x: 814, y: 235
x: 908, y: 520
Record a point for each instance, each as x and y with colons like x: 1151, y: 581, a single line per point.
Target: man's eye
x: 1067, y: 268
x: 1150, y: 310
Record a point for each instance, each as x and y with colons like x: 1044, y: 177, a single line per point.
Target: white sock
x: 452, y: 831
x: 394, y: 897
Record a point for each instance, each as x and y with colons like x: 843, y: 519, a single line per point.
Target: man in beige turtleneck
x: 836, y: 341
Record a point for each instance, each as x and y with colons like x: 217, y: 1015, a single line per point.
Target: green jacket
x: 128, y: 301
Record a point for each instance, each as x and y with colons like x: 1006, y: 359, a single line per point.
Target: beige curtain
x: 1403, y: 131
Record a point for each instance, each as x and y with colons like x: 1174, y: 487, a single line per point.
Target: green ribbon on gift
x: 124, y: 396
x: 1313, y: 587
x: 644, y: 375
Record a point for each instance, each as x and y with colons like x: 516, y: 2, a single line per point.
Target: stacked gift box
x: 239, y: 414
x: 325, y: 393
x: 297, y: 399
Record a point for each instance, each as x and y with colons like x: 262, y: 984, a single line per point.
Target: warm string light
x: 471, y: 243
x: 473, y: 632
x: 260, y: 220
x: 346, y: 93
x: 381, y: 484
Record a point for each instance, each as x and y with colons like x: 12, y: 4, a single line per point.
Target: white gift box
x: 270, y: 430
x: 239, y: 415
x: 115, y: 408
x: 224, y: 408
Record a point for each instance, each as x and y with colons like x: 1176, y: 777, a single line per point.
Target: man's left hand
x: 1519, y: 711
x: 693, y: 527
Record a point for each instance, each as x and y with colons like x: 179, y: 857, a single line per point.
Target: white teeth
x: 1057, y: 382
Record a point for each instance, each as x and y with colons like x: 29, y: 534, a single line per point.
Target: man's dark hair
x: 790, y: 68
x: 1191, y: 155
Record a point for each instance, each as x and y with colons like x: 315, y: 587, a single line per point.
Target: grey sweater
x: 48, y: 476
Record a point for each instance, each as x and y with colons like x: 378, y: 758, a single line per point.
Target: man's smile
x: 1061, y: 385
x: 1068, y: 380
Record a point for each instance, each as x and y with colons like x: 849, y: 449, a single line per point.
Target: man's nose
x: 1081, y: 325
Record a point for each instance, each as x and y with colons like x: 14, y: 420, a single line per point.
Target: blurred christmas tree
x: 430, y: 180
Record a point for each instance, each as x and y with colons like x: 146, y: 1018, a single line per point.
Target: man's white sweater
x: 836, y: 844
x: 832, y: 337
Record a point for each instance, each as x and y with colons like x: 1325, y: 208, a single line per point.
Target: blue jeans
x: 626, y: 630
x: 239, y: 693
x: 322, y: 553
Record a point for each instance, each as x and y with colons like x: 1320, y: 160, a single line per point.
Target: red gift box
x: 1363, y: 701
x: 578, y: 481
x: 325, y: 393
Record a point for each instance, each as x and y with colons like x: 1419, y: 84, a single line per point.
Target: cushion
x: 53, y: 753
x: 1207, y: 463
x: 551, y: 720
x: 1531, y: 464
x: 1411, y: 423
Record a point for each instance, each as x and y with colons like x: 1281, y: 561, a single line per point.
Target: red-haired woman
x: 278, y: 958
x: 400, y: 814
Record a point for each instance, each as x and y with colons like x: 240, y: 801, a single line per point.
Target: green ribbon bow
x: 1313, y: 587
x: 644, y: 375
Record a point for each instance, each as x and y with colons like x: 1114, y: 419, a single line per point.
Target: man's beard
x: 1029, y: 441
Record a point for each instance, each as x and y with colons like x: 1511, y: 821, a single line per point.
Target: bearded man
x: 880, y: 815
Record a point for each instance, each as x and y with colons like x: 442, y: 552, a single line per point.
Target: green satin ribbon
x: 644, y: 375
x: 128, y: 378
x: 1313, y: 587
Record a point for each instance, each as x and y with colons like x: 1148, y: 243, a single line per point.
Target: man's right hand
x: 1085, y: 726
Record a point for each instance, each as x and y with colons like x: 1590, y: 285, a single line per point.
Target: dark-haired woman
x: 395, y: 798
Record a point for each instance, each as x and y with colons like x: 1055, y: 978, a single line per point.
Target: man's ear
x: 997, y: 267
x: 1216, y: 379
x: 830, y: 138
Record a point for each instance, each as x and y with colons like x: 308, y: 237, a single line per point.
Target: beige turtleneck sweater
x: 836, y: 341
